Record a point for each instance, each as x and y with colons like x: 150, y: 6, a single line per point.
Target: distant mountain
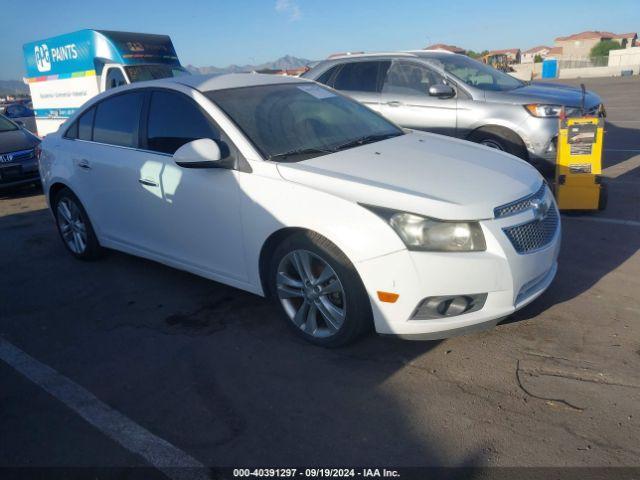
x: 12, y: 87
x: 283, y: 63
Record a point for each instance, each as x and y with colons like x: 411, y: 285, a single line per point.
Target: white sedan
x: 285, y: 188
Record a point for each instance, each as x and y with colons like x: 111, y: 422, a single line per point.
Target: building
x: 579, y: 45
x: 555, y: 52
x: 290, y: 72
x: 448, y: 48
x: 529, y: 56
x: 510, y: 56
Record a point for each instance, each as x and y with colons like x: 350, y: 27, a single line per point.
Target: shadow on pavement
x: 213, y: 370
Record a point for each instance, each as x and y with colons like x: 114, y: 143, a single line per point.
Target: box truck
x: 65, y: 71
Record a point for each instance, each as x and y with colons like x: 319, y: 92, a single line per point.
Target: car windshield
x: 6, y: 125
x: 293, y: 122
x: 476, y: 74
x: 140, y: 73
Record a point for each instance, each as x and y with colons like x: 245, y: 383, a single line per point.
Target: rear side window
x: 358, y: 76
x: 326, y: 76
x: 175, y: 120
x: 85, y: 125
x: 117, y: 120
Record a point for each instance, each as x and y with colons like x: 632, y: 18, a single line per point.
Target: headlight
x: 542, y: 110
x: 428, y: 234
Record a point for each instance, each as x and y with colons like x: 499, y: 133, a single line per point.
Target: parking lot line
x: 159, y: 453
x: 617, y: 221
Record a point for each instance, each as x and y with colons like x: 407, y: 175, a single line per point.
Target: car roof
x: 209, y: 82
x: 405, y: 54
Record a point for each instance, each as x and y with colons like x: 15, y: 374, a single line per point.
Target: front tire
x: 318, y: 290
x: 74, y: 226
x: 501, y: 139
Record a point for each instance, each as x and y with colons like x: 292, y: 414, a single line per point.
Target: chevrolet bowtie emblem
x: 540, y: 208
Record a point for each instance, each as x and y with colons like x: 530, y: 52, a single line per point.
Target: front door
x: 405, y: 99
x: 193, y: 214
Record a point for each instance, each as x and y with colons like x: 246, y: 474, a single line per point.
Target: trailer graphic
x: 65, y: 71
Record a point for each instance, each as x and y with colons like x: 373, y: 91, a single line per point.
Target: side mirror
x: 202, y: 153
x: 440, y: 90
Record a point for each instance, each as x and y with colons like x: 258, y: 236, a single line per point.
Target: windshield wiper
x: 356, y: 142
x: 300, y: 151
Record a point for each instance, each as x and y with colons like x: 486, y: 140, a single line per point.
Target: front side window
x: 175, y: 120
x: 410, y: 78
x: 139, y: 73
x: 115, y: 78
x: 117, y: 118
x: 292, y: 122
x: 358, y: 77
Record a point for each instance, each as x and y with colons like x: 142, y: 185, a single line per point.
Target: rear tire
x: 318, y: 291
x: 74, y: 226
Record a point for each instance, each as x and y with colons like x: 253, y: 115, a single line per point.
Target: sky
x: 221, y: 32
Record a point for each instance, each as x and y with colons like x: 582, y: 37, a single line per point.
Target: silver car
x: 454, y: 95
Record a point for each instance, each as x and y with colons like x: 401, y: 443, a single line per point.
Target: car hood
x: 551, y: 93
x: 15, y: 140
x: 422, y: 173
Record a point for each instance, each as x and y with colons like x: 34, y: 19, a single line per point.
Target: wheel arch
x: 55, y: 188
x: 268, y: 247
x: 501, y: 131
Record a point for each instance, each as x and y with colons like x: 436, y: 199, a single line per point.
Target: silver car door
x: 405, y: 99
x: 361, y: 81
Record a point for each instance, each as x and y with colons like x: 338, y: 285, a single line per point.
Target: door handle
x: 148, y: 183
x: 84, y: 164
x: 394, y: 103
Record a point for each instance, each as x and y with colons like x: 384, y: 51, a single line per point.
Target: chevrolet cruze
x: 288, y: 189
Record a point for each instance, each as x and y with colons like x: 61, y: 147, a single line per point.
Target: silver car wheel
x: 492, y: 144
x: 71, y: 225
x: 311, y: 293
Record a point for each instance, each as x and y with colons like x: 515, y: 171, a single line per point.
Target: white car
x: 283, y: 187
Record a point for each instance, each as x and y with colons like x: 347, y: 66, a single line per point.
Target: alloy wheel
x: 492, y: 144
x: 71, y: 225
x: 311, y: 293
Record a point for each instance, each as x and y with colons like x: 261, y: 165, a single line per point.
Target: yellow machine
x: 579, y: 164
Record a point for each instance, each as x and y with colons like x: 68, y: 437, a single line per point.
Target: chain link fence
x: 583, y: 62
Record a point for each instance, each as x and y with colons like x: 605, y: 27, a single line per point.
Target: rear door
x: 110, y: 166
x: 361, y: 80
x: 405, y: 99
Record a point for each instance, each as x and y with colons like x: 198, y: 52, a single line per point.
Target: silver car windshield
x: 476, y: 74
x: 296, y: 121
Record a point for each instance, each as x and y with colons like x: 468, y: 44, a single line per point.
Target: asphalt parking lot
x: 213, y: 374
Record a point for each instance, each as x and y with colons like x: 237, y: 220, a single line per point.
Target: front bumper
x: 22, y: 172
x: 540, y: 136
x: 510, y: 280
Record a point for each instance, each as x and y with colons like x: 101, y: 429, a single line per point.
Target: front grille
x: 520, y: 205
x: 532, y: 236
x: 17, y: 156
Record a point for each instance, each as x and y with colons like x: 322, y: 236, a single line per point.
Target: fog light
x: 448, y: 306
